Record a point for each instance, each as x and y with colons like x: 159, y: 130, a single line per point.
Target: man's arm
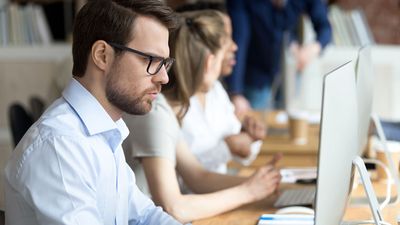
x: 140, y: 204
x: 224, y: 192
x: 241, y: 35
x: 58, y: 182
x: 305, y: 54
x: 317, y: 10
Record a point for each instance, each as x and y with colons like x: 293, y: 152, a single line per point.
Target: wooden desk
x: 278, y: 139
x: 281, y: 142
x: 288, y: 160
x: 249, y: 214
x: 294, y: 156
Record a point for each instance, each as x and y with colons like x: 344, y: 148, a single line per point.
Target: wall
x: 387, y: 78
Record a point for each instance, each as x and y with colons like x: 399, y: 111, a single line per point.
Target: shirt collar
x: 92, y: 114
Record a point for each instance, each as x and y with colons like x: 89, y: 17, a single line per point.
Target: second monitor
x: 338, y: 148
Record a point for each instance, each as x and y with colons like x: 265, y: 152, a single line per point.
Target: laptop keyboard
x: 296, y: 197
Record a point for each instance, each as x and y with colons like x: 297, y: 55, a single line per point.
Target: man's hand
x: 254, y: 127
x: 305, y: 54
x: 264, y: 181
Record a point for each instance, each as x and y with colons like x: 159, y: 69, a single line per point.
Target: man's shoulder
x: 60, y: 119
x: 57, y: 128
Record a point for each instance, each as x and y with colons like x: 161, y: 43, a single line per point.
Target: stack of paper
x: 289, y: 219
x: 292, y: 175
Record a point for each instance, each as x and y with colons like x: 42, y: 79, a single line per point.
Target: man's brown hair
x: 112, y: 21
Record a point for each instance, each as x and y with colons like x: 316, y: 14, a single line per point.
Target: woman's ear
x: 209, y: 63
x: 102, y: 55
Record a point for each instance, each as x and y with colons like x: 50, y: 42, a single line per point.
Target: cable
x: 357, y: 222
x: 388, y: 184
x: 382, y: 137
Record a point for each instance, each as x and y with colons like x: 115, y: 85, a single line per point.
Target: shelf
x: 53, y: 52
x: 39, y: 1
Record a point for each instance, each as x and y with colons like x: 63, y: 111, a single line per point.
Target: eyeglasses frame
x: 167, y: 62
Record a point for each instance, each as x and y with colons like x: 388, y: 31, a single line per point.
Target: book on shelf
x: 3, y: 26
x: 3, y: 3
x: 24, y: 25
x: 350, y: 28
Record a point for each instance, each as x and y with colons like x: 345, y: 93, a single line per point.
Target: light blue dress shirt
x: 70, y: 168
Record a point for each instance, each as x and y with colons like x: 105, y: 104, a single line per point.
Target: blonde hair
x: 199, y: 34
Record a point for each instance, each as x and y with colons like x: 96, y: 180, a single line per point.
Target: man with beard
x: 70, y: 168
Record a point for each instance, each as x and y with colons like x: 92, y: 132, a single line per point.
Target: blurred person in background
x: 210, y: 127
x: 258, y: 30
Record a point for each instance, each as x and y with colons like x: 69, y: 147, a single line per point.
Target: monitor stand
x: 373, y: 202
x: 393, y: 171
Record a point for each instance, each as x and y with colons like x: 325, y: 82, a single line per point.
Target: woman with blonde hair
x: 157, y: 147
x: 210, y: 127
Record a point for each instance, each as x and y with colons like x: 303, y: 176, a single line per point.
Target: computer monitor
x: 364, y: 83
x: 338, y: 148
x: 338, y: 145
x: 364, y: 86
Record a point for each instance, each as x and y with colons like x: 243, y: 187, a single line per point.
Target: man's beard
x: 121, y: 99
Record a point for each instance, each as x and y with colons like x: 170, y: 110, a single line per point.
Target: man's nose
x: 161, y: 76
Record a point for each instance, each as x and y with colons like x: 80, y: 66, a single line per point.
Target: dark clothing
x: 258, y: 28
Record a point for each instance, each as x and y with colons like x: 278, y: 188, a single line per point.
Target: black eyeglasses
x: 155, y: 62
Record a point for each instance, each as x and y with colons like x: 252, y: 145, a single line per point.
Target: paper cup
x: 298, y: 127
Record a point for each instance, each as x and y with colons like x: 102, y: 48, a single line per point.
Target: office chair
x: 2, y: 218
x: 20, y: 121
x: 37, y: 107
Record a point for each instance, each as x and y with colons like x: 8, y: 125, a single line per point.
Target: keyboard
x: 297, y: 196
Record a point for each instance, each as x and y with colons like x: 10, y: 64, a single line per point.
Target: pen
x: 286, y: 219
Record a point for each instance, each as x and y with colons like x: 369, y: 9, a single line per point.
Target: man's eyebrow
x: 155, y: 55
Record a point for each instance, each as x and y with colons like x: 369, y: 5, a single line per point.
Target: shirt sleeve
x: 318, y: 14
x: 154, y: 134
x: 140, y: 204
x: 61, y: 184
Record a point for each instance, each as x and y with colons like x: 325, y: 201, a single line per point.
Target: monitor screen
x: 338, y: 145
x: 364, y: 85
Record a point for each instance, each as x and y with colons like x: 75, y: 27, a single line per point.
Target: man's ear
x: 102, y: 55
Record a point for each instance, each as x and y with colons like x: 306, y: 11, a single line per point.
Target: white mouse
x: 295, y: 210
